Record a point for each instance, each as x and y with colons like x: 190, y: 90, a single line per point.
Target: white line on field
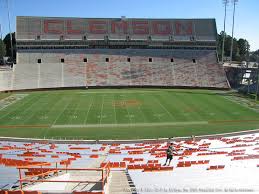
x: 73, y: 116
x: 92, y: 99
x: 100, y: 121
x: 114, y: 109
x: 17, y: 107
x: 164, y: 108
x: 133, y: 124
x: 32, y: 115
x: 65, y: 107
x: 128, y: 114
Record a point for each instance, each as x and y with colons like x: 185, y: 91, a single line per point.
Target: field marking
x: 133, y: 124
x: 4, y: 102
x: 44, y: 117
x: 100, y: 121
x: 23, y: 126
x: 164, y: 108
x: 114, y: 110
x: 126, y: 107
x: 141, y: 111
x: 101, y: 116
x: 119, y: 92
x: 231, y: 121
x: 235, y: 100
x: 61, y: 112
x: 183, y: 123
x: 52, y: 109
x: 72, y: 117
x: 12, y: 111
x: 89, y: 107
x: 32, y: 115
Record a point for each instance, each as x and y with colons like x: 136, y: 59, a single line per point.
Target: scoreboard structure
x: 51, y: 28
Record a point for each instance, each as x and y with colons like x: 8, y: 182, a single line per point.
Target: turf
x: 138, y: 113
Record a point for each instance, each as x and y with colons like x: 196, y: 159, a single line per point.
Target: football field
x: 122, y: 114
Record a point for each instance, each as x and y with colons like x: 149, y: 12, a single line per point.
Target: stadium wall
x: 119, y: 67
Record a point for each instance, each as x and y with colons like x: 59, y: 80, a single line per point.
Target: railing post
x: 102, y: 181
x: 41, y: 173
x: 57, y: 168
x: 20, y: 177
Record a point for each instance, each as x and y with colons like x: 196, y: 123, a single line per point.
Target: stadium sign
x: 135, y: 27
x: 53, y: 28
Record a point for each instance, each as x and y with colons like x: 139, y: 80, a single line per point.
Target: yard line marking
x: 139, y: 109
x: 128, y: 114
x: 65, y: 107
x: 16, y: 108
x: 100, y: 121
x: 133, y: 124
x: 76, y: 107
x: 149, y: 109
x: 164, y: 108
x: 51, y: 109
x: 32, y: 115
x: 89, y: 107
x: 4, y: 103
x: 142, y: 113
x: 114, y: 109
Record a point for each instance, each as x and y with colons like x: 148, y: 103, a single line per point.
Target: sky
x: 246, y: 25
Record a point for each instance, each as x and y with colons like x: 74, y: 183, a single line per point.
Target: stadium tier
x: 77, y: 52
x: 72, y: 168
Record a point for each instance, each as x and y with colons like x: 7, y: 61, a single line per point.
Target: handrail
x: 105, y: 171
x: 76, y: 169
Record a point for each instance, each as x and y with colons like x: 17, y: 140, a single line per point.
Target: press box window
x: 150, y: 60
x: 194, y: 60
x: 39, y: 60
x: 172, y: 60
x: 107, y: 59
x: 62, y: 60
x: 128, y: 59
x: 85, y: 60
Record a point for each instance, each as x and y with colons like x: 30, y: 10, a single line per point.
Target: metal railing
x: 40, y: 172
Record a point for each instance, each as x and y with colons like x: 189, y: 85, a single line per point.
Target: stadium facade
x: 90, y: 52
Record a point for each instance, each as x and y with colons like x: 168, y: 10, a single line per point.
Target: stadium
x: 92, y: 104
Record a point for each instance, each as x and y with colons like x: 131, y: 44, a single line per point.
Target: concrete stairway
x: 86, y: 175
x: 121, y: 183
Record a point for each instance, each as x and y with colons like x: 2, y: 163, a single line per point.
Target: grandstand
x: 91, y: 52
x: 53, y: 167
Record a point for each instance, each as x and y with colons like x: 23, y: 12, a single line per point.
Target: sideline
x: 132, y: 124
x: 159, y: 140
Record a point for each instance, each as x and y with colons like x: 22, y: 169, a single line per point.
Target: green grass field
x: 123, y: 114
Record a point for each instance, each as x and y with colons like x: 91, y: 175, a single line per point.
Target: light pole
x: 10, y: 31
x: 247, y: 66
x: 2, y: 43
x: 225, y: 2
x: 233, y: 27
